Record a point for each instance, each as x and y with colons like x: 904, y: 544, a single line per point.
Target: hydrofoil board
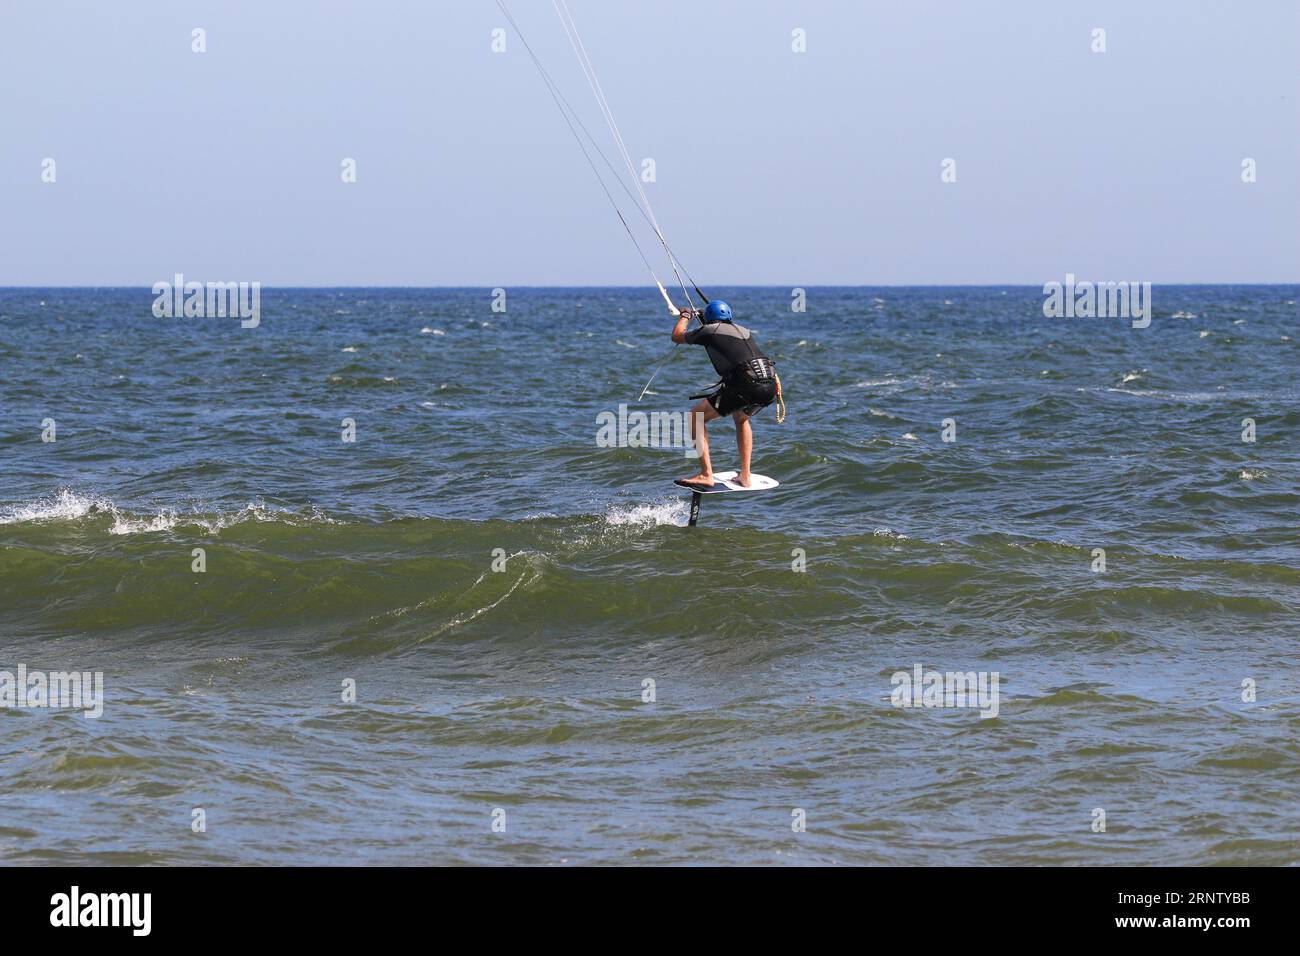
x: 726, y: 481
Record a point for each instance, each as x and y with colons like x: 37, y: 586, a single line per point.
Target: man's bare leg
x: 701, y: 415
x: 745, y: 445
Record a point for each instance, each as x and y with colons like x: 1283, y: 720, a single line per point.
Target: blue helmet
x: 717, y: 311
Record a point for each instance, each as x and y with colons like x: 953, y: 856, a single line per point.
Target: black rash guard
x: 729, y: 345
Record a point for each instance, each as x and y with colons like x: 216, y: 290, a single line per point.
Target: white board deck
x: 725, y: 481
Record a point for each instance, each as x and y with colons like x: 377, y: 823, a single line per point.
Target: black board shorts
x: 744, y: 396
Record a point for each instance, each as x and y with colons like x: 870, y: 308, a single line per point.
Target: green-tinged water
x: 506, y: 594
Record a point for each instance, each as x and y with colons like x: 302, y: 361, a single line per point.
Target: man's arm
x: 679, y: 330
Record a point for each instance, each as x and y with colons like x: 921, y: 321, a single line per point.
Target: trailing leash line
x: 671, y: 352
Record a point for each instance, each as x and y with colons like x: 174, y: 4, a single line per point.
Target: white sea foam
x: 672, y: 511
x: 165, y: 520
x: 68, y: 505
x: 65, y: 504
x: 1197, y: 397
x: 876, y: 383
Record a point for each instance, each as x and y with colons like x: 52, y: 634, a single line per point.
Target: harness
x: 752, y: 372
x: 755, y: 370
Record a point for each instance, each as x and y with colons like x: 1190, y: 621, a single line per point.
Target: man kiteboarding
x: 748, y: 384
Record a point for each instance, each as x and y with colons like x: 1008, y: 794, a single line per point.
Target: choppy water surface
x: 521, y: 689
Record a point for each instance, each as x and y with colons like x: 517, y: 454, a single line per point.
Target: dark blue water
x: 500, y: 587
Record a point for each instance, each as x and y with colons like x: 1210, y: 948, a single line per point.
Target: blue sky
x: 773, y: 167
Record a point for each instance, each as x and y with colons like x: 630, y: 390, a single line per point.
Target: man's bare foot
x: 700, y: 479
x: 744, y: 479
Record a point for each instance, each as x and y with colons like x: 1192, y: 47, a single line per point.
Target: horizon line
x: 879, y: 285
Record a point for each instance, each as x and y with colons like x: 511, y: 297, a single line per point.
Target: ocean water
x: 505, y: 594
